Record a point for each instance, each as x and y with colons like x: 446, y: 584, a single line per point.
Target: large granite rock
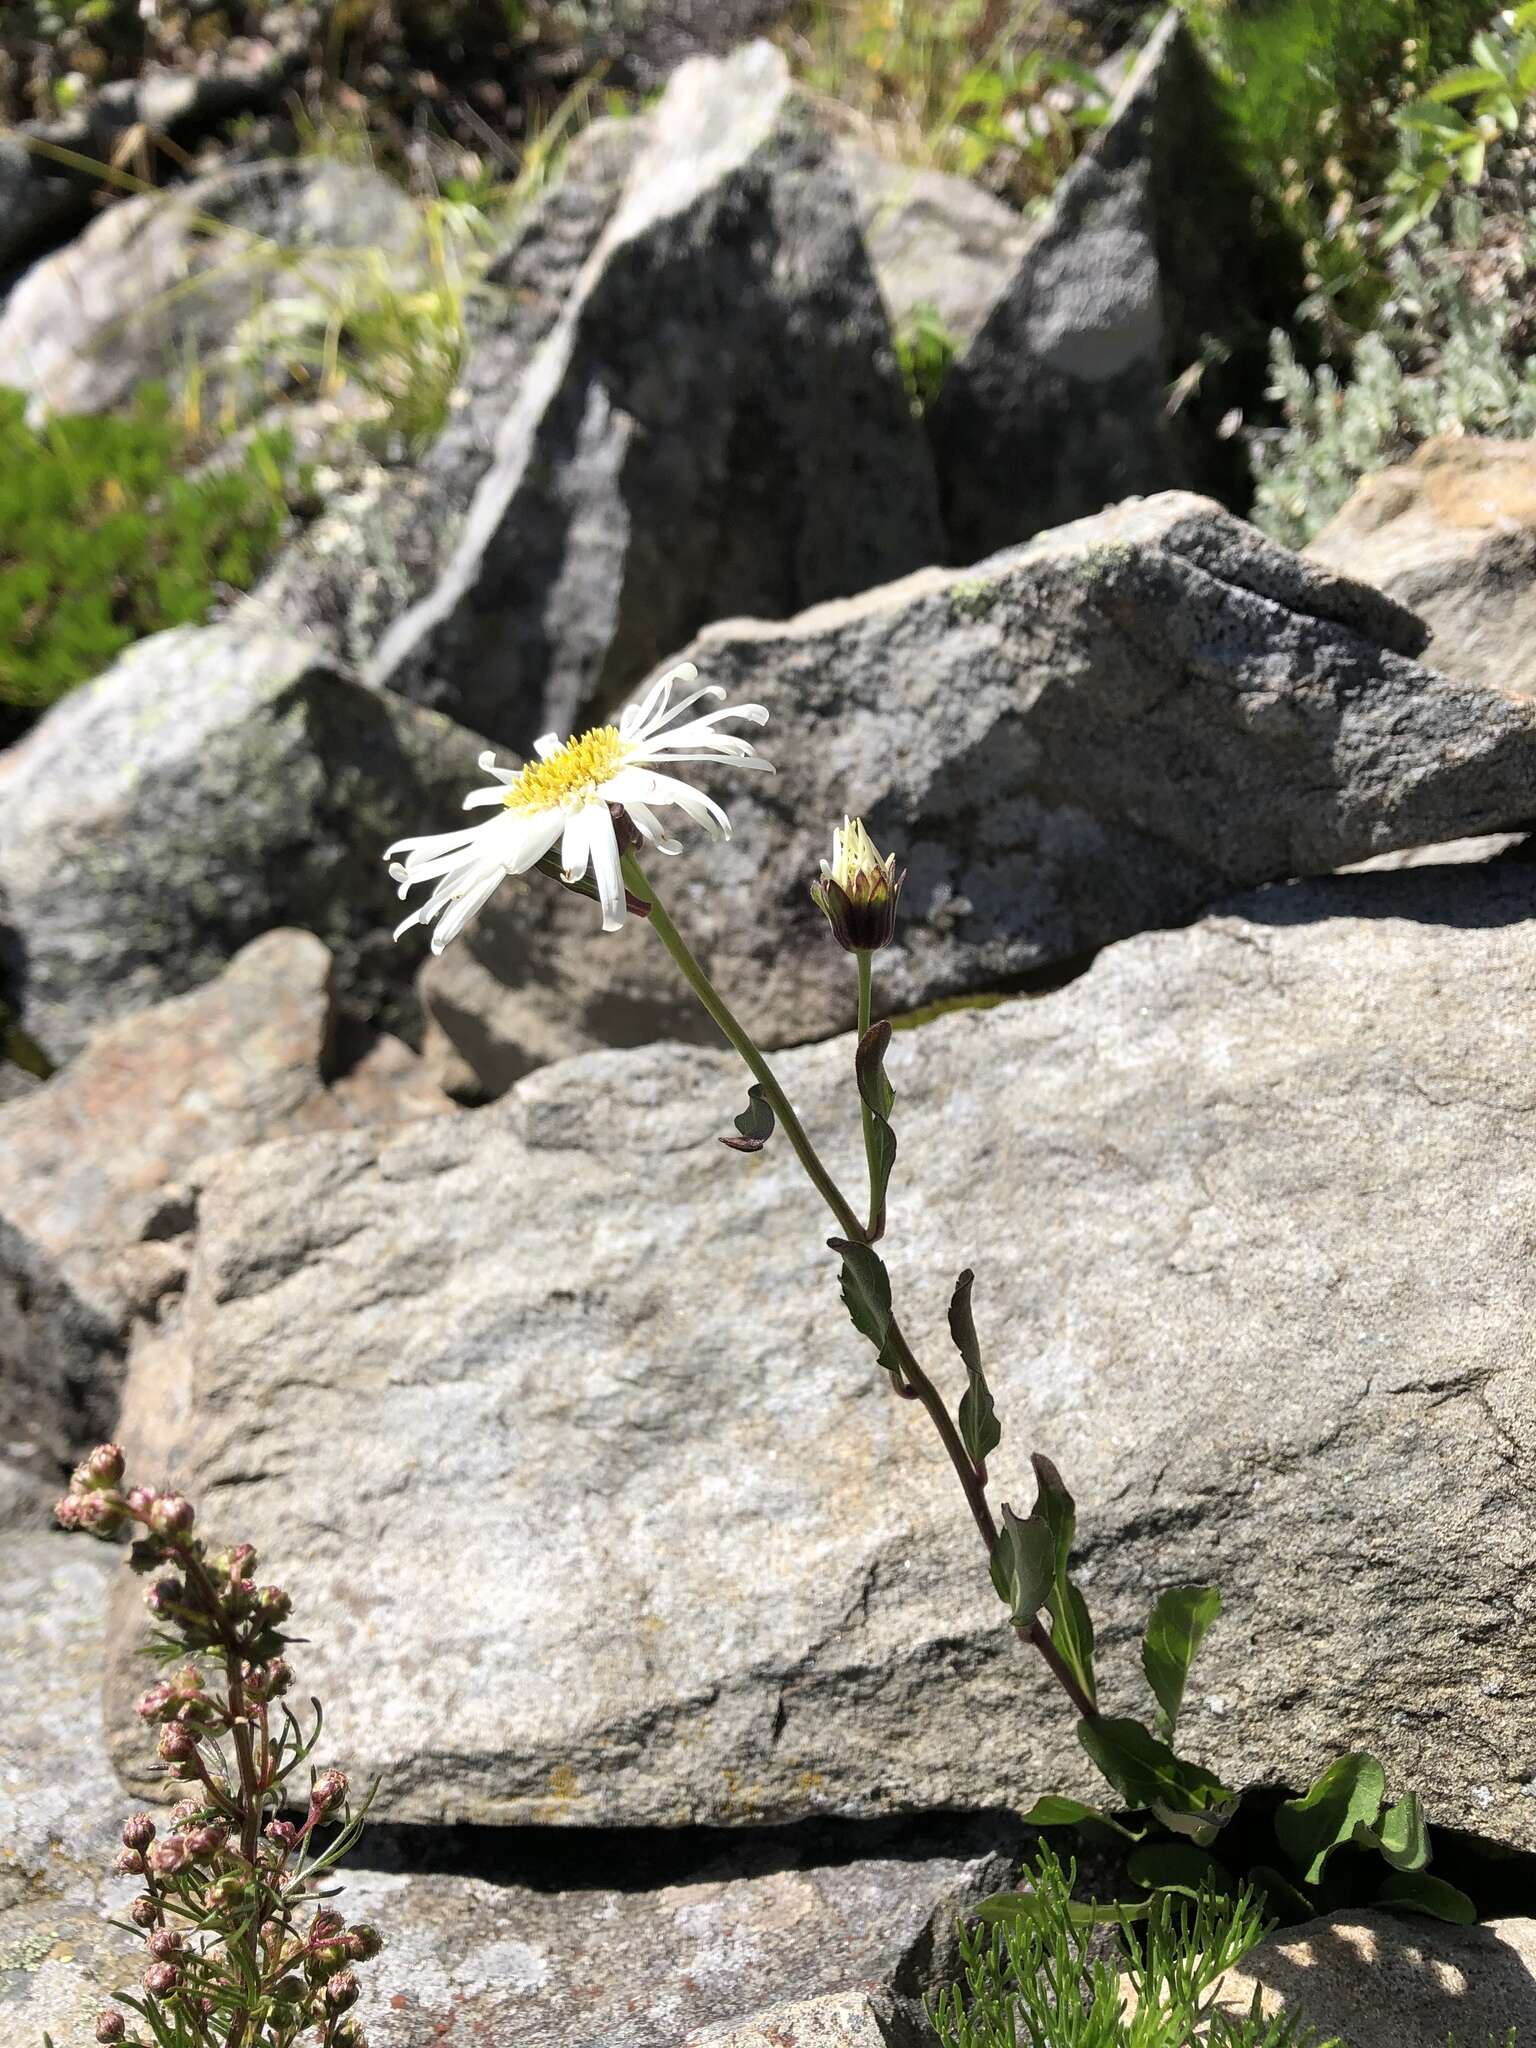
x: 1376, y: 1981
x: 939, y: 244
x: 216, y: 782
x: 608, y: 1944
x: 1080, y: 739
x: 612, y: 1519
x: 1137, y: 316
x: 159, y: 286
x: 96, y: 1173
x: 850, y: 2019
x: 715, y: 423
x: 1452, y: 535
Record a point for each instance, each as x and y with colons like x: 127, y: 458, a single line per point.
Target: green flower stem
x: 917, y: 1381
x: 866, y: 977
x: 741, y: 1040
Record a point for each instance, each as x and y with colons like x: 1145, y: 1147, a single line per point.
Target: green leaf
x: 1310, y: 1828
x: 1280, y: 1897
x: 1174, y: 1635
x: 1055, y: 1812
x: 1159, y: 1865
x: 869, y: 1069
x: 1417, y: 1892
x: 1433, y: 119
x: 1028, y: 1563
x: 755, y: 1123
x: 1401, y: 1836
x: 866, y: 1287
x: 1146, y: 1773
x: 1465, y: 79
x: 980, y: 1430
x: 1071, y: 1624
x: 1009, y: 1909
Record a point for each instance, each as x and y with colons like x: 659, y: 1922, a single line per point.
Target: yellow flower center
x: 572, y: 776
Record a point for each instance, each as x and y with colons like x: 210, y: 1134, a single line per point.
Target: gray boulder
x: 563, y: 1392
x: 850, y: 2019
x: 163, y: 284
x: 715, y: 423
x: 1452, y: 535
x: 1077, y: 740
x: 611, y: 1945
x: 1377, y: 1981
x: 938, y: 244
x: 1136, y: 318
x: 216, y: 782
x: 97, y: 1169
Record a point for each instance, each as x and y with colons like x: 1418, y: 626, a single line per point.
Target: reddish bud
x: 164, y: 1943
x: 128, y: 1863
x: 326, y: 1925
x: 110, y: 2026
x: 177, y: 1743
x: 342, y: 1991
x: 282, y: 1832
x: 140, y: 1499
x: 273, y: 1604
x: 66, y: 1513
x: 104, y: 1467
x: 328, y: 1790
x: 144, y: 1912
x: 170, y: 1857
x: 172, y: 1515
x: 161, y: 1979
x: 365, y: 1942
x: 138, y: 1832
x: 206, y: 1841
x: 164, y: 1595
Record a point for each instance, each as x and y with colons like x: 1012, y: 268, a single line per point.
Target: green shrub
x: 1312, y: 87
x: 103, y: 538
x: 1445, y: 360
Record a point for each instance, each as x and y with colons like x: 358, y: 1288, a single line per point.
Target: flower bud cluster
x: 222, y: 1868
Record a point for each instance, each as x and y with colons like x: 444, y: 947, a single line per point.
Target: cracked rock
x: 1251, y: 1206
x: 213, y: 784
x: 715, y: 423
x: 98, y: 1169
x: 1101, y: 732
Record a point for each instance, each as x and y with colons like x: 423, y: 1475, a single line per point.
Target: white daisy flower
x: 562, y: 798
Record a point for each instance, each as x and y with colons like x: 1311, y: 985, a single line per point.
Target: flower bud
x: 224, y: 1891
x: 144, y: 1912
x: 164, y: 1944
x: 328, y: 1790
x: 273, y: 1605
x: 140, y: 1499
x: 171, y: 1515
x: 177, y: 1743
x: 282, y: 1832
x: 110, y: 2026
x: 128, y: 1863
x: 326, y: 1925
x: 342, y: 1991
x: 242, y: 1561
x: 206, y: 1841
x: 186, y: 1813
x: 170, y: 1857
x: 66, y: 1513
x: 164, y: 1595
x: 104, y: 1467
x: 161, y: 1979
x: 138, y: 1832
x: 857, y: 892
x: 102, y: 1513
x: 349, y: 2035
x: 366, y: 1941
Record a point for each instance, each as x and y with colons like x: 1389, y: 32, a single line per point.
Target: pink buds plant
x: 240, y: 1949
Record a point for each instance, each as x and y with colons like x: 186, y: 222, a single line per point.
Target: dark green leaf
x: 1310, y: 1828
x: 885, y: 1159
x: 1010, y: 1908
x: 1146, y: 1773
x: 1158, y: 1865
x: 980, y: 1430
x: 1279, y: 1896
x: 1029, y: 1560
x: 1054, y: 1812
x: 866, y: 1290
x: 1071, y: 1624
x: 1174, y: 1634
x: 755, y: 1123
x: 1401, y: 1834
x: 1415, y: 1891
x: 869, y: 1069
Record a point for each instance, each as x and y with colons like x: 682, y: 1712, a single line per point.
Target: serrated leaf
x: 1029, y: 1563
x: 980, y: 1430
x: 1071, y: 1623
x: 1435, y: 119
x: 866, y: 1289
x: 755, y: 1123
x: 1465, y: 79
x: 1185, y: 1797
x: 1055, y: 1812
x: 1417, y: 1892
x: 1310, y: 1828
x: 869, y: 1069
x: 1174, y: 1634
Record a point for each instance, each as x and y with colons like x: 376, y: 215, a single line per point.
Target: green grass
x: 104, y: 537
